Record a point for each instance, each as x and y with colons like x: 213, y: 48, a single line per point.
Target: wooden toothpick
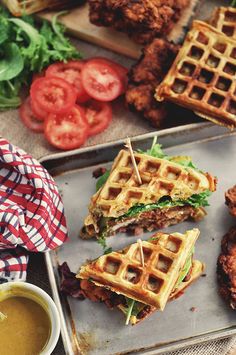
x: 129, y: 146
x: 141, y: 251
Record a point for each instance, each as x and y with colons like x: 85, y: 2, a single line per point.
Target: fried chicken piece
x: 142, y: 20
x: 145, y: 76
x: 230, y: 200
x: 226, y: 268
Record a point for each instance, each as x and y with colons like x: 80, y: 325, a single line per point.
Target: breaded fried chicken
x: 230, y: 200
x: 145, y: 76
x: 226, y: 268
x: 142, y: 20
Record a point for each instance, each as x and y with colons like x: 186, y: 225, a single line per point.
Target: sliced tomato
x: 67, y: 131
x: 53, y: 95
x: 37, y: 111
x: 71, y: 72
x: 98, y: 115
x: 101, y: 81
x: 120, y: 69
x: 28, y: 118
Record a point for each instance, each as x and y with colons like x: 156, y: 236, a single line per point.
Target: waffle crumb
x: 193, y: 309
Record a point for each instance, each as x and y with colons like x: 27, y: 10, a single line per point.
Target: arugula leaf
x: 102, y: 241
x: 12, y: 63
x: 196, y: 201
x: 183, y: 160
x: 131, y: 309
x: 107, y: 251
x: 25, y: 50
x: 155, y: 151
x: 184, y: 272
x: 6, y: 103
x: 102, y: 179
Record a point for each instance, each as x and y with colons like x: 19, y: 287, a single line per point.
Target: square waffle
x: 224, y: 19
x: 122, y: 271
x: 160, y: 177
x: 202, y: 76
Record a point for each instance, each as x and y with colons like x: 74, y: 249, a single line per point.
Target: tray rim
x: 162, y: 349
x: 159, y: 133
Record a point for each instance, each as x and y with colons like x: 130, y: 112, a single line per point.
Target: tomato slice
x: 53, y: 94
x: 37, y: 111
x: 120, y: 69
x: 98, y: 115
x: 101, y: 81
x: 28, y: 118
x: 67, y: 131
x: 71, y: 72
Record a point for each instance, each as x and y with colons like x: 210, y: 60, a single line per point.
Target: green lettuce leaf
x: 184, y: 272
x: 155, y: 151
x: 26, y: 49
x: 196, y: 201
x: 132, y: 309
x: 102, y: 180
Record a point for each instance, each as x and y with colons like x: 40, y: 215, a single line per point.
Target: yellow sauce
x: 26, y: 329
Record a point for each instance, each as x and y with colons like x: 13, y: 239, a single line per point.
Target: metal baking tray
x: 91, y: 328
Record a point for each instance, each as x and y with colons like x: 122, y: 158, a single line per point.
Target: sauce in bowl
x: 25, y: 326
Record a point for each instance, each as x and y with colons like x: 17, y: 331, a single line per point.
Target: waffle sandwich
x: 171, y: 192
x: 224, y: 19
x: 202, y: 77
x: 140, y: 288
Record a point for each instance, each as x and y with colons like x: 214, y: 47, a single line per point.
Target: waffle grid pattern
x: 224, y: 19
x: 159, y: 176
x: 202, y: 77
x: 164, y: 256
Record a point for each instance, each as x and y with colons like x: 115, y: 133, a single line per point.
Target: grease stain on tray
x: 86, y: 342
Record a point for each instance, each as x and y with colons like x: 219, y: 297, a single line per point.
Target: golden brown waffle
x: 196, y: 271
x: 160, y: 177
x: 224, y: 19
x: 122, y: 271
x: 202, y: 76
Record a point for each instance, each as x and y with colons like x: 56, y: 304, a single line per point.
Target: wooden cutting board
x: 78, y: 24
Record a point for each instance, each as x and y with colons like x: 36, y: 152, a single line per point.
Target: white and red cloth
x: 31, y: 211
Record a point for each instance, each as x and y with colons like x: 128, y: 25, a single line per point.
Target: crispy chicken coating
x: 142, y: 20
x: 145, y: 76
x: 226, y: 268
x: 230, y: 200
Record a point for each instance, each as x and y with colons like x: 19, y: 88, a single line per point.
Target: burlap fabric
x: 124, y: 124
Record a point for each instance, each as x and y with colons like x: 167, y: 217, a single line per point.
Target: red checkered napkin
x: 31, y: 211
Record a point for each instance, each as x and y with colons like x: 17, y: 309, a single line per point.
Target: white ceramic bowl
x: 35, y: 293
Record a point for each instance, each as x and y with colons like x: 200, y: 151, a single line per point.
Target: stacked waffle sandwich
x: 141, y: 279
x: 202, y: 76
x: 171, y: 190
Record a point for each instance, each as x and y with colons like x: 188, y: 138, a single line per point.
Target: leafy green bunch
x: 25, y: 50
